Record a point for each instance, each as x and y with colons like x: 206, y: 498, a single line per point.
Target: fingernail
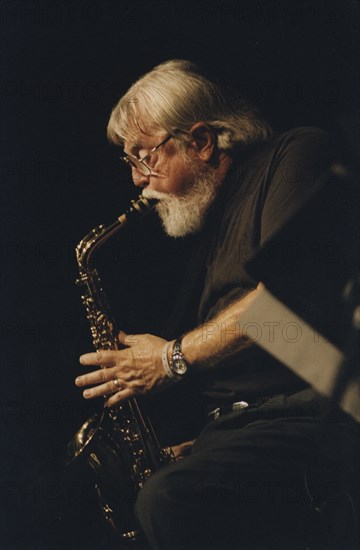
x: 77, y: 381
x: 86, y: 393
x: 81, y: 359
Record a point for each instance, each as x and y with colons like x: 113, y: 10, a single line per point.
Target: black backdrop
x: 64, y: 65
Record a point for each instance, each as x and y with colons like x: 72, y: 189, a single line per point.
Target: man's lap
x: 246, y: 470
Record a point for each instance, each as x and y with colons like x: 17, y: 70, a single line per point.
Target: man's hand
x: 182, y: 450
x: 135, y: 370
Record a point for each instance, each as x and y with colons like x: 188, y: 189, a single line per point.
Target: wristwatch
x: 178, y: 364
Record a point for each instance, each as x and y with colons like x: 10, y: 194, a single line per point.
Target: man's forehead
x: 139, y: 129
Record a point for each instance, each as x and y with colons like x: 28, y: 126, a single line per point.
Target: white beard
x: 185, y: 214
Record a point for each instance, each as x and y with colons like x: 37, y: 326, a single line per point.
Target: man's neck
x: 224, y: 164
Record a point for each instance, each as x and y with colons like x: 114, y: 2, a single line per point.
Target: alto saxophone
x: 118, y: 444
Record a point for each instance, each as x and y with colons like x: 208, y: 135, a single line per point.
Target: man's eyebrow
x: 133, y: 148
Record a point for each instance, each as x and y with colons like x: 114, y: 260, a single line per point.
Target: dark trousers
x: 252, y: 479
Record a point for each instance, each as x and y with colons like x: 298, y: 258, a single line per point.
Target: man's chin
x: 178, y: 233
x: 184, y: 215
x: 179, y: 220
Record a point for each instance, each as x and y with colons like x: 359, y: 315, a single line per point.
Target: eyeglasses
x: 140, y: 164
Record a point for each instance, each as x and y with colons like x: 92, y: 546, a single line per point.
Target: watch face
x: 180, y: 366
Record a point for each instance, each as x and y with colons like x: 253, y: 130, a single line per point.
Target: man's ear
x: 203, y: 140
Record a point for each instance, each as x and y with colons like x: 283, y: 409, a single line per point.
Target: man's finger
x: 128, y: 339
x: 106, y: 358
x: 119, y: 396
x: 122, y: 335
x: 96, y: 377
x: 104, y: 389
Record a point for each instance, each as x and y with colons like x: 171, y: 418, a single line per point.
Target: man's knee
x: 166, y: 506
x: 153, y: 501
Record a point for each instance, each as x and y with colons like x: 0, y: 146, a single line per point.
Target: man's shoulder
x: 311, y: 140
x: 302, y: 136
x: 305, y: 148
x: 303, y: 131
x: 283, y: 159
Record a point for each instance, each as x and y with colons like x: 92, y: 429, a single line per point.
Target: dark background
x: 64, y: 65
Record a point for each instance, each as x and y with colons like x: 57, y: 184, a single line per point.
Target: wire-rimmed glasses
x: 140, y: 164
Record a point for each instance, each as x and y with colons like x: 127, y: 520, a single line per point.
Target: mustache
x: 160, y: 195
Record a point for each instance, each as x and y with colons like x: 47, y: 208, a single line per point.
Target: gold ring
x: 116, y: 383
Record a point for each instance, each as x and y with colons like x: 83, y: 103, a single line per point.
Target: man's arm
x: 222, y: 337
x: 138, y: 369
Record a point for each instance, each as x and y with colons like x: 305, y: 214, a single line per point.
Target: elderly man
x: 217, y: 170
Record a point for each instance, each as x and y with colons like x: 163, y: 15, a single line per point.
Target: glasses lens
x: 142, y: 168
x: 137, y: 164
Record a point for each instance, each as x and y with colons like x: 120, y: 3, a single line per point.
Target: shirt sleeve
x: 305, y: 256
x: 297, y: 169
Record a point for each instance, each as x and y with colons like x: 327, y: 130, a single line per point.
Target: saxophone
x: 118, y: 444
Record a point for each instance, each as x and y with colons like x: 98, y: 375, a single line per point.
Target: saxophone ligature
x: 118, y: 443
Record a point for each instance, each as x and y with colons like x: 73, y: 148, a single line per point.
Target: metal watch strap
x: 178, y: 364
x: 177, y: 346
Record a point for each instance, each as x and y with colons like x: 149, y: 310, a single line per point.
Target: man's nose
x: 139, y: 179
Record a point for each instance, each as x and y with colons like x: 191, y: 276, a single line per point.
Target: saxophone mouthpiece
x: 151, y: 202
x: 143, y: 204
x: 138, y: 207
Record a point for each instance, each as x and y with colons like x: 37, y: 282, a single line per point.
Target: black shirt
x: 261, y: 193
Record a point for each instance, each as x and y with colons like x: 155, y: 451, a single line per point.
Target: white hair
x: 174, y: 96
x: 185, y: 214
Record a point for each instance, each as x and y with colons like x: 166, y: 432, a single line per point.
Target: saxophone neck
x: 98, y: 236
